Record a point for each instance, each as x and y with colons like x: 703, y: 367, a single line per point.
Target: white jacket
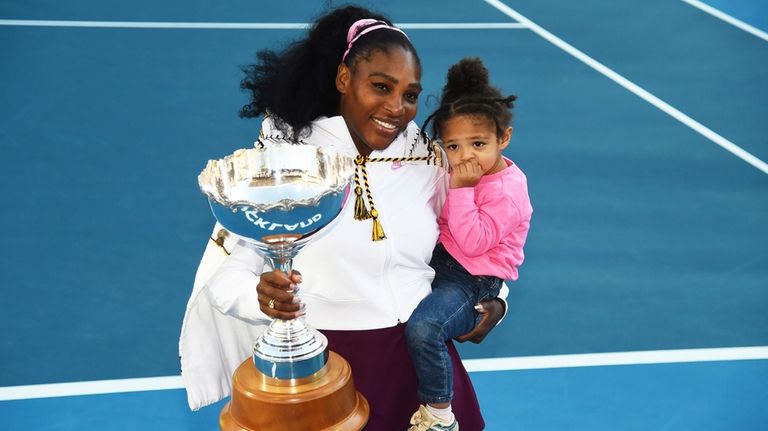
x: 350, y: 282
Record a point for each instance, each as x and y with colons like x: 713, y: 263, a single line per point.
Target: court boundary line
x: 646, y: 357
x: 245, y: 25
x: 643, y: 357
x: 633, y: 88
x: 717, y: 13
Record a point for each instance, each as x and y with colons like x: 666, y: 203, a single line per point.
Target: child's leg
x: 444, y: 314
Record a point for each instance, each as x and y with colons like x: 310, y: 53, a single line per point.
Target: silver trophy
x: 279, y: 196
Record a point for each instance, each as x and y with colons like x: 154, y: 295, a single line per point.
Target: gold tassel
x: 361, y: 212
x: 378, y: 231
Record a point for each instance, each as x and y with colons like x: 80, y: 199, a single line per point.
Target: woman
x: 354, y: 83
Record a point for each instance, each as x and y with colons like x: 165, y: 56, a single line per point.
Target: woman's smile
x: 385, y: 125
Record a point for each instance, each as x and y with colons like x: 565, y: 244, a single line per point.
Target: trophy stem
x: 284, y: 265
x: 281, y: 257
x: 289, y: 349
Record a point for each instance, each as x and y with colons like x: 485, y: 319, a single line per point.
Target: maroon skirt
x: 384, y: 374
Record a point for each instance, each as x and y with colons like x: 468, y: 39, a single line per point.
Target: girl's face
x: 474, y: 136
x: 379, y: 97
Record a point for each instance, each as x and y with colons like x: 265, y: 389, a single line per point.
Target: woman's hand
x: 277, y: 295
x: 492, y: 311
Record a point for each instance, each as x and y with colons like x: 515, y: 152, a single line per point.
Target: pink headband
x: 353, y: 29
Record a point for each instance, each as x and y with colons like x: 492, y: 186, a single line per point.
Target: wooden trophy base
x: 327, y: 400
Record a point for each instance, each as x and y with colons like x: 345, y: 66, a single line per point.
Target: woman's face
x: 379, y: 97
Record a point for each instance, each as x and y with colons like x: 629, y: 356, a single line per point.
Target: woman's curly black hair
x: 468, y: 91
x: 298, y: 84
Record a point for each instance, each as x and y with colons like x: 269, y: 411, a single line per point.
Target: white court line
x: 729, y: 19
x: 157, y: 24
x: 9, y: 393
x: 462, y: 26
x: 634, y: 88
x: 617, y: 358
x: 90, y: 388
x: 247, y: 25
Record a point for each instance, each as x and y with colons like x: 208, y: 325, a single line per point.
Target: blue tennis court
x: 643, y: 301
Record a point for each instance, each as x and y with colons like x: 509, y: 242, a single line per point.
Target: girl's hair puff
x: 298, y: 84
x: 468, y: 91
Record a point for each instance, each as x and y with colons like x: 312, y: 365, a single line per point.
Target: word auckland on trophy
x: 280, y: 196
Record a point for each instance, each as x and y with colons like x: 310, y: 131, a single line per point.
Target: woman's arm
x: 232, y: 287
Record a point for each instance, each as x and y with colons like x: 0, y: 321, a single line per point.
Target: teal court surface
x: 643, y: 301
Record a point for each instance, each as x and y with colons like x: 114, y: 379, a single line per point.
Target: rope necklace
x: 361, y: 211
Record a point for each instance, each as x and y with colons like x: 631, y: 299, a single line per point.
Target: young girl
x: 483, y: 226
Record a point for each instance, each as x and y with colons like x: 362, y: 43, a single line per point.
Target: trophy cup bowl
x: 279, y: 196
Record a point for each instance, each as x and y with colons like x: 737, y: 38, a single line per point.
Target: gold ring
x: 272, y: 303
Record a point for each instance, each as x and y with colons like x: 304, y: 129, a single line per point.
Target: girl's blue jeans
x: 446, y: 313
